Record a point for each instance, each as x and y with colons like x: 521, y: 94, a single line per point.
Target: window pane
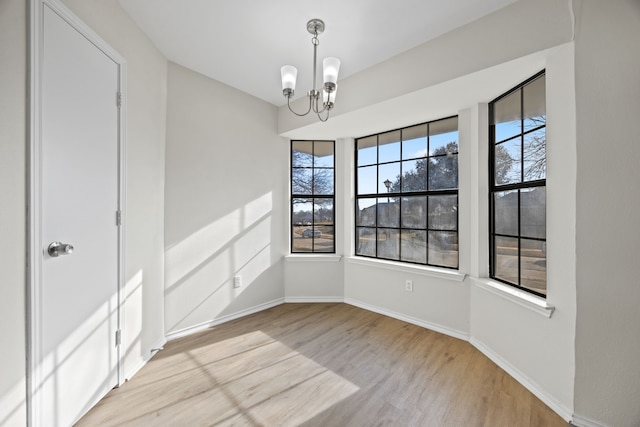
x: 323, y: 154
x: 323, y: 238
x: 388, y: 212
x: 535, y: 155
x: 366, y: 212
x: 414, y: 212
x: 414, y: 246
x: 302, y: 212
x: 367, y: 180
x: 443, y: 248
x: 506, y: 212
x: 507, y: 117
x: 533, y: 212
x: 302, y: 154
x: 389, y: 173
x: 301, y: 244
x: 302, y: 219
x: 323, y: 181
x: 533, y: 265
x: 301, y: 180
x: 443, y: 137
x: 368, y: 151
x: 414, y: 175
x: 506, y: 259
x: 534, y: 101
x: 323, y: 212
x: 388, y: 243
x: 366, y: 241
x: 443, y: 212
x: 443, y: 172
x: 507, y: 162
x: 389, y: 147
x: 414, y: 143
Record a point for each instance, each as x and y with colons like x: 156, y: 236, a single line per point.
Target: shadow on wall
x: 200, y: 269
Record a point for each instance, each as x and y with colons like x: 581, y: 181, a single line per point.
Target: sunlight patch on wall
x: 186, y: 255
x: 256, y: 209
x: 199, y: 270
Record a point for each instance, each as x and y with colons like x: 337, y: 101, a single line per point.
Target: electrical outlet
x: 237, y: 282
x: 408, y: 285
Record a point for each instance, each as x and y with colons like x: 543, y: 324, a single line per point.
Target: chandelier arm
x: 325, y: 119
x: 316, y: 108
x: 298, y: 114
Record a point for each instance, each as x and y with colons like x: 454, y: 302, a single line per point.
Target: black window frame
x: 312, y: 196
x: 514, y: 186
x: 427, y: 193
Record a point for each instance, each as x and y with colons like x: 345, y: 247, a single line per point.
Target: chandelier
x: 330, y: 67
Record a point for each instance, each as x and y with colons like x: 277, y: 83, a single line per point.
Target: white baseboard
x: 428, y: 325
x: 223, y: 319
x: 579, y: 421
x: 530, y: 385
x: 312, y: 299
x: 142, y: 360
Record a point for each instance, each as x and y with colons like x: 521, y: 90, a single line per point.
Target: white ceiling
x: 243, y: 43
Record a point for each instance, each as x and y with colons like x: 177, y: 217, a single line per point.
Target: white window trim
x: 525, y: 299
x: 314, y: 257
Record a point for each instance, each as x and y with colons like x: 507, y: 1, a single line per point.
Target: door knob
x: 57, y: 249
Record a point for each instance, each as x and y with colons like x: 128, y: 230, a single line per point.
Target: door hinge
x: 118, y: 217
x: 118, y: 337
x: 119, y: 99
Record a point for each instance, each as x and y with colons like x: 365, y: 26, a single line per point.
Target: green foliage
x: 438, y: 172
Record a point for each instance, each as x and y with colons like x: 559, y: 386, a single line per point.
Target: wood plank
x: 320, y: 365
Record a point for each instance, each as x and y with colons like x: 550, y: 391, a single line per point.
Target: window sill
x: 532, y: 302
x: 312, y: 258
x: 441, y: 273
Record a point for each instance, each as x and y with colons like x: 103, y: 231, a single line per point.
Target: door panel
x: 79, y: 200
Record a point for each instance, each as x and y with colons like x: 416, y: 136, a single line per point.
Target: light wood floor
x: 320, y: 365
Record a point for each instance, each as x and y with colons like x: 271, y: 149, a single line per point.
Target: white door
x: 79, y: 196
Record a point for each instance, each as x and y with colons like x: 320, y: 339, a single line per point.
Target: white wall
x: 311, y: 278
x: 607, y: 385
x: 225, y: 202
x: 13, y: 81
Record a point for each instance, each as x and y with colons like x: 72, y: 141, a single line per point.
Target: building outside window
x: 407, y: 194
x: 517, y: 133
x: 312, y: 197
